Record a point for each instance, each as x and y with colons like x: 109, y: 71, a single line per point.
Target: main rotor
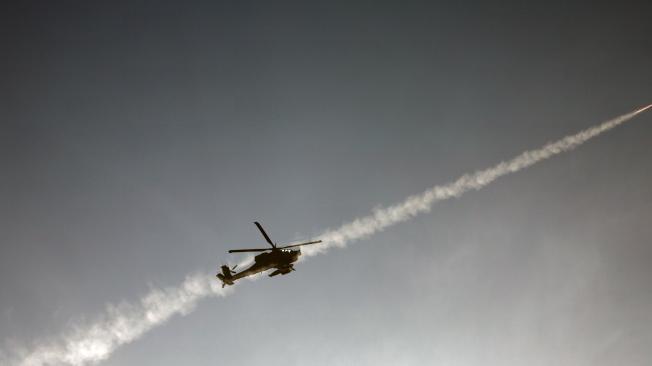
x: 274, y: 246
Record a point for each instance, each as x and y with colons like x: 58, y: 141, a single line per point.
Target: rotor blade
x: 248, y: 250
x: 298, y: 245
x: 264, y: 234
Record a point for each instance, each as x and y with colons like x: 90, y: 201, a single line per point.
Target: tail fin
x: 225, y: 276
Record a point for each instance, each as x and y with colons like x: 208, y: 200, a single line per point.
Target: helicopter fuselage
x: 279, y: 259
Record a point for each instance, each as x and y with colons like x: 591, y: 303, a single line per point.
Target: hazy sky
x: 139, y: 142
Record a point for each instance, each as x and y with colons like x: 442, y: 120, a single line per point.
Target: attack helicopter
x: 279, y: 258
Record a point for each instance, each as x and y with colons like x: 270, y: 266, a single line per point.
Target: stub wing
x: 282, y: 270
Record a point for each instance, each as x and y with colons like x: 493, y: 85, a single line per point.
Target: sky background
x: 139, y: 142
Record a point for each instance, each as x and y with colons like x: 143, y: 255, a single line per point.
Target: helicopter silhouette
x: 279, y: 258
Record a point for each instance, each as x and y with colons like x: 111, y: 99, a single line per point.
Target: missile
x: 643, y: 109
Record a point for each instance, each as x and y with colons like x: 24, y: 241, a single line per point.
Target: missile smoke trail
x: 382, y: 218
x: 125, y: 323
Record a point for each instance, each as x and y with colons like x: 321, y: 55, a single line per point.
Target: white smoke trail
x: 125, y: 323
x: 382, y: 218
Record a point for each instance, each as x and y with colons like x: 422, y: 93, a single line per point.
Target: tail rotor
x: 226, y: 275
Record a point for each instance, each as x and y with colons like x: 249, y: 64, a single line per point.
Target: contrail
x: 124, y: 323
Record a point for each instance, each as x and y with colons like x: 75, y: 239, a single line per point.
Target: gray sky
x: 139, y: 143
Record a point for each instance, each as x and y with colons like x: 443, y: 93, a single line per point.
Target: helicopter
x: 279, y: 258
